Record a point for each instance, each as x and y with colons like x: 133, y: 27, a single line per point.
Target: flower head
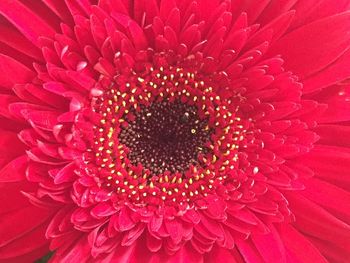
x: 175, y: 131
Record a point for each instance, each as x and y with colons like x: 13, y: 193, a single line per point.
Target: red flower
x: 175, y: 130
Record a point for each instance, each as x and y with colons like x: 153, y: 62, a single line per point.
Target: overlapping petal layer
x: 281, y: 71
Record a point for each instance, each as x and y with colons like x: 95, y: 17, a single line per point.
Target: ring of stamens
x: 124, y: 101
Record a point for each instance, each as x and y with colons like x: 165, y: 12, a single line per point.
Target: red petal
x: 192, y: 216
x: 328, y: 196
x: 12, y: 192
x: 270, y: 246
x: 311, y: 10
x: 185, y: 255
x: 334, y: 34
x: 60, y: 9
x: 153, y: 244
x: 64, y: 175
x: 212, y: 226
x: 5, y: 101
x: 332, y: 134
x: 278, y: 27
x: 254, y: 9
x: 18, y: 14
x: 248, y: 251
x: 10, y: 145
x: 217, y: 254
x: 166, y: 6
x: 125, y: 221
x: 25, y: 244
x: 78, y: 252
x: 132, y: 235
x: 43, y: 119
x: 174, y: 229
x: 330, y: 251
x: 29, y: 257
x: 11, y: 37
x: 317, y: 221
x: 336, y: 98
x: 299, y: 246
x: 114, y: 5
x: 15, y: 170
x: 123, y: 253
x: 206, y: 8
x: 103, y: 210
x: 147, y: 9
x: 13, y: 72
x: 216, y: 208
x: 13, y: 225
x: 155, y: 224
x: 330, y: 164
x: 47, y: 97
x: 333, y: 74
x: 274, y: 9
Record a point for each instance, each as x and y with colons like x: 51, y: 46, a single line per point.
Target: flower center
x: 166, y: 136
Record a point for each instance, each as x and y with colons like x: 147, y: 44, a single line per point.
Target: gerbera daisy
x: 175, y: 130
